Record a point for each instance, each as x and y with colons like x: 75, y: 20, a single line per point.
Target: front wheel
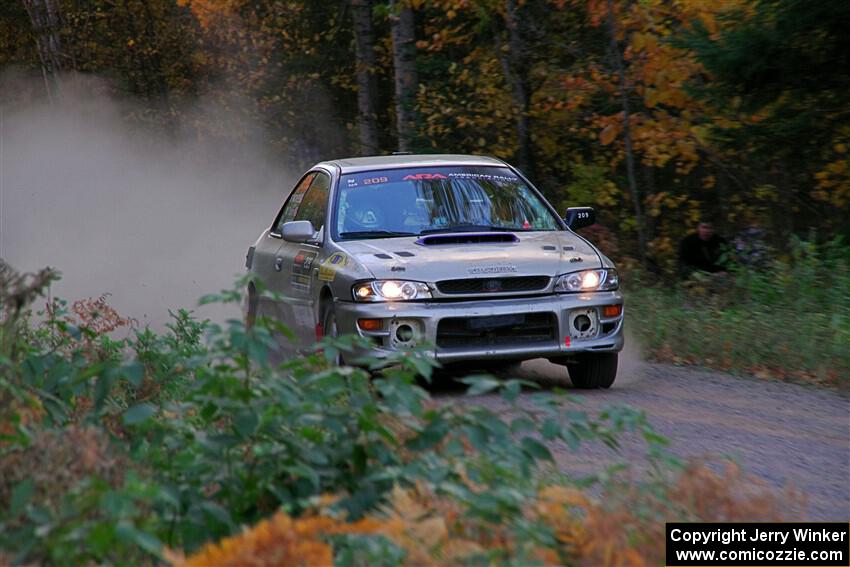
x: 593, y: 370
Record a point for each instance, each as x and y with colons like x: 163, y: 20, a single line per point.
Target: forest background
x: 658, y: 113
x: 122, y: 443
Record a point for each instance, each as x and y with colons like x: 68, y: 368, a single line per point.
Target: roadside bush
x: 116, y: 448
x: 562, y: 526
x: 789, y: 320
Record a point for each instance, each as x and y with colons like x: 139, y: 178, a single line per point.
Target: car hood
x: 533, y: 253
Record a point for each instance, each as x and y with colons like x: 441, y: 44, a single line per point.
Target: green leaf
x: 101, y: 537
x: 536, y: 449
x: 103, y: 387
x: 245, y: 423
x: 652, y: 437
x: 21, y: 496
x: 113, y: 503
x: 480, y: 385
x: 128, y: 533
x: 522, y: 423
x: 512, y: 390
x: 134, y: 373
x: 139, y: 414
x: 217, y: 512
x: 551, y: 428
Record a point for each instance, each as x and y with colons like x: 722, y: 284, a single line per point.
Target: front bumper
x: 425, y: 318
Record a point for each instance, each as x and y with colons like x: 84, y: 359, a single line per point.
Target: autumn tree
x: 367, y: 84
x: 783, y: 72
x: 404, y: 66
x: 656, y: 113
x: 516, y: 56
x: 46, y: 20
x: 628, y: 150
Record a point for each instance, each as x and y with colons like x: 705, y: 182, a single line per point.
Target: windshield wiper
x: 374, y: 234
x: 467, y: 228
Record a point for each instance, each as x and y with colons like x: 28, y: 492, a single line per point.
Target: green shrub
x: 212, y: 435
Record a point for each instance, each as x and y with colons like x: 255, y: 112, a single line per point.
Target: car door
x: 267, y: 263
x: 301, y: 261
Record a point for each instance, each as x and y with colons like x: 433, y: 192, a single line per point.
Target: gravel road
x: 789, y: 435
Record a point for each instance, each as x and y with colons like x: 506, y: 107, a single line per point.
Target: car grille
x: 519, y: 329
x: 493, y: 285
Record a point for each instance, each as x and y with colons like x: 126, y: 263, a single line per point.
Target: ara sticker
x: 329, y: 268
x: 423, y: 176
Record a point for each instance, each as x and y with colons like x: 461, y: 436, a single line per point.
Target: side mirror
x: 298, y: 231
x: 580, y: 217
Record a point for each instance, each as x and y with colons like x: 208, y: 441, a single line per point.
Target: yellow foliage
x: 433, y: 531
x: 832, y: 183
x: 279, y: 541
x: 208, y: 10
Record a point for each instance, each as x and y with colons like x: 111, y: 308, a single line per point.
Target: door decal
x: 301, y: 266
x: 334, y: 262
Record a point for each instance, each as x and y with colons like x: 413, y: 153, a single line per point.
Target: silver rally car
x: 458, y: 252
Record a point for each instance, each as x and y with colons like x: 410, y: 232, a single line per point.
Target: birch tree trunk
x: 627, y: 134
x: 404, y: 64
x: 367, y: 85
x: 46, y: 22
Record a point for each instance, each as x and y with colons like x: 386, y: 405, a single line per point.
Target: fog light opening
x: 404, y: 333
x: 582, y: 323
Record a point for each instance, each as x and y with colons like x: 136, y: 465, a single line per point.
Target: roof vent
x: 467, y: 238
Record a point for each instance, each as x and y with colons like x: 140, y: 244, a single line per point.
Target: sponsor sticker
x: 423, y: 176
x: 301, y: 266
x: 332, y: 264
x: 488, y: 176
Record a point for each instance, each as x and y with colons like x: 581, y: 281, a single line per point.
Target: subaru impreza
x: 459, y: 253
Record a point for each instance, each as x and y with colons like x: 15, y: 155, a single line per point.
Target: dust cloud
x: 152, y: 220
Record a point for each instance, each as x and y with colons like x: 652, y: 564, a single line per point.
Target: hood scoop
x: 467, y: 238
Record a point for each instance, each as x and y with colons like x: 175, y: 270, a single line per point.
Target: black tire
x: 593, y: 370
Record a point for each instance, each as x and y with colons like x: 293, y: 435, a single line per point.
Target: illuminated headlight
x: 391, y: 290
x: 588, y: 280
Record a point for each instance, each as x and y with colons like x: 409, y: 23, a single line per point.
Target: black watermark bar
x: 814, y: 544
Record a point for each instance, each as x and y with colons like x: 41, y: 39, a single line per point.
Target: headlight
x: 588, y: 280
x: 390, y: 290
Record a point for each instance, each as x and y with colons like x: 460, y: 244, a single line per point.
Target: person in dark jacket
x: 702, y: 251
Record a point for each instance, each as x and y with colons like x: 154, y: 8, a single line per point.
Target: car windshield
x: 409, y: 202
